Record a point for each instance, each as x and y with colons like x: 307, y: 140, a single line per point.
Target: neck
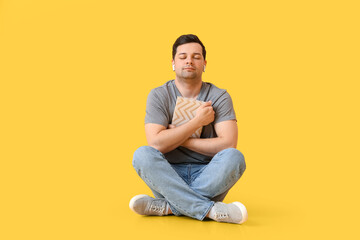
x: 189, y: 88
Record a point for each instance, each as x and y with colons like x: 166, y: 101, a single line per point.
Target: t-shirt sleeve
x: 224, y: 109
x: 156, y: 109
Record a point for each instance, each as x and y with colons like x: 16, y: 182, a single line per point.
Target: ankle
x: 168, y: 210
x: 211, y: 214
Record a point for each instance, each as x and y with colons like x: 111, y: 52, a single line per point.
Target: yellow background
x: 74, y: 80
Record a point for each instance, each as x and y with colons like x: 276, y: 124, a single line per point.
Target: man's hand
x: 205, y: 114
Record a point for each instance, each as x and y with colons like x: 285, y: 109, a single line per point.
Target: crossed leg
x: 194, y: 199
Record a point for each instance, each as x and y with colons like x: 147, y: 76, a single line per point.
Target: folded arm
x: 166, y: 140
x: 227, y: 134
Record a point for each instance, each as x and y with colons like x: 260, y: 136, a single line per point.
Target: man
x: 190, y: 176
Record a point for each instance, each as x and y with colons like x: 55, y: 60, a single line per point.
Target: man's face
x: 189, y: 61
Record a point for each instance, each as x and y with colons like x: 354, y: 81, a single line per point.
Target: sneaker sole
x: 132, y: 201
x: 243, y: 210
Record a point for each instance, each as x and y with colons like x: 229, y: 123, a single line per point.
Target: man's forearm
x: 208, y: 146
x: 169, y: 139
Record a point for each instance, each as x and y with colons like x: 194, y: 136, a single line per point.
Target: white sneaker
x: 231, y: 213
x: 145, y: 205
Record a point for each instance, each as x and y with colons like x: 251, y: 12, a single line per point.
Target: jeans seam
x: 188, y: 174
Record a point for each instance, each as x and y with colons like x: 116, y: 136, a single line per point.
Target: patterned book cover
x: 185, y: 110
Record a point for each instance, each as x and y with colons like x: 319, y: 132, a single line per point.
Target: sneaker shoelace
x: 222, y: 212
x: 221, y: 215
x: 157, y: 206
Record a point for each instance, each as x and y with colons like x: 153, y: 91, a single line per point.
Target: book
x: 185, y: 110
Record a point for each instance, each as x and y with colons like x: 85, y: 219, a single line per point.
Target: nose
x: 189, y: 61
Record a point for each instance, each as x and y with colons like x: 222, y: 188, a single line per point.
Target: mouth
x: 189, y: 68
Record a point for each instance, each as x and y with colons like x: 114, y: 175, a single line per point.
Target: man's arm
x: 227, y: 134
x: 166, y: 140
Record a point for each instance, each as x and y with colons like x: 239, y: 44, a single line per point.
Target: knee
x: 142, y: 157
x: 235, y: 158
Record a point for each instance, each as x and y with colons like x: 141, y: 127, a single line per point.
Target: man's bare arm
x: 166, y: 140
x: 227, y: 133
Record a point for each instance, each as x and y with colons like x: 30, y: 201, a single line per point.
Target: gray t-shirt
x: 160, y: 107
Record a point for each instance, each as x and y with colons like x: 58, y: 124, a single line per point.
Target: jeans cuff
x: 208, y: 210
x: 174, y: 211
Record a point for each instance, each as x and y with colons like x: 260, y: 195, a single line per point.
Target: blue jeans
x: 190, y: 189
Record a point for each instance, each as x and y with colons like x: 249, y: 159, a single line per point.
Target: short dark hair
x: 188, y: 38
